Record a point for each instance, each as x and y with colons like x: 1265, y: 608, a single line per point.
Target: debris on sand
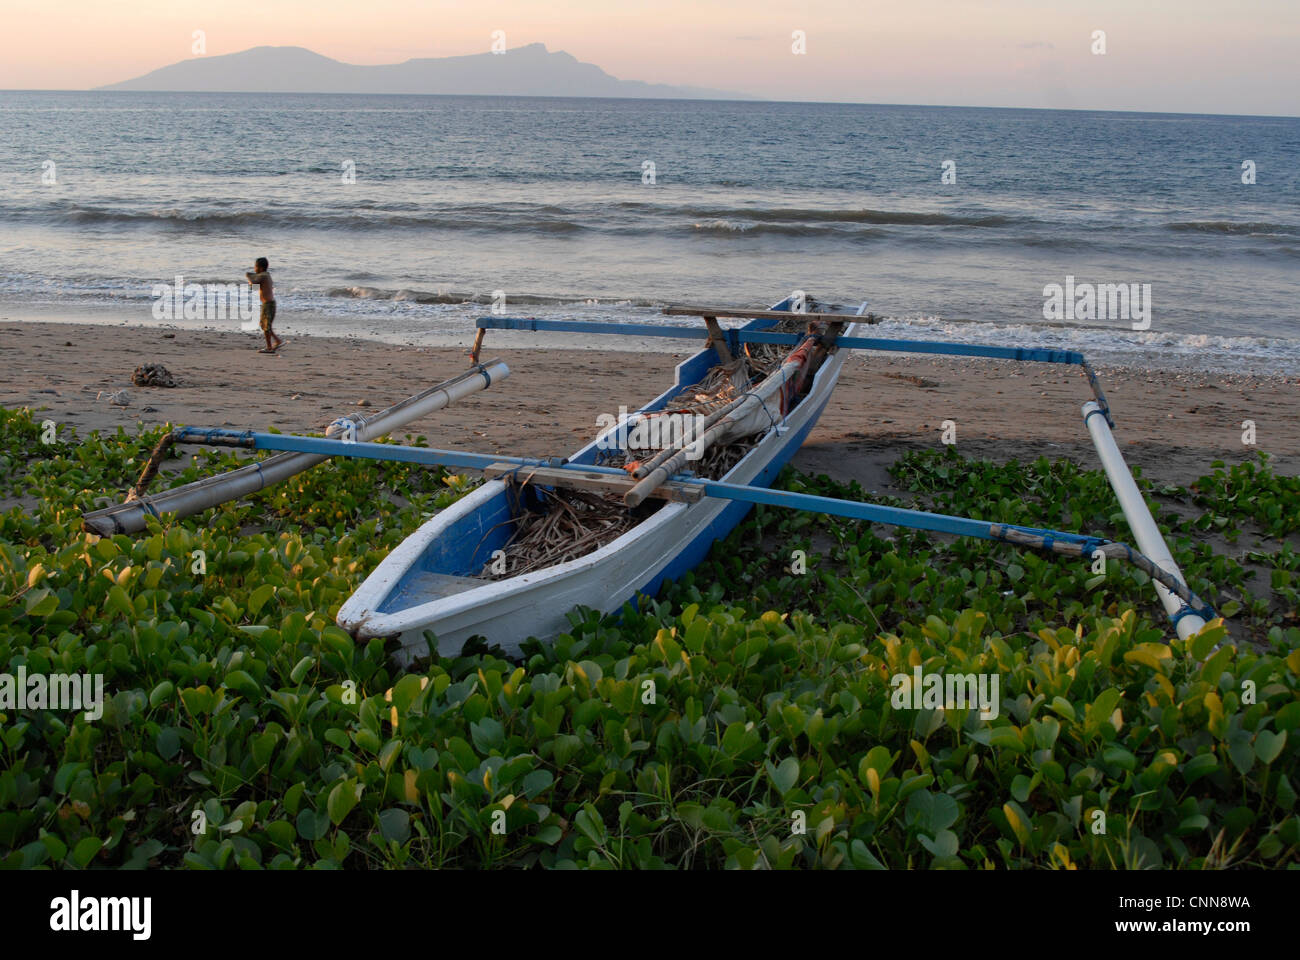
x: 153, y: 375
x: 119, y: 398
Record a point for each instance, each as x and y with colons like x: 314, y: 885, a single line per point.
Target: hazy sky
x: 1210, y: 56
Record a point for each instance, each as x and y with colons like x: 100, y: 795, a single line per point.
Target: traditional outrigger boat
x: 434, y: 581
x: 605, y: 528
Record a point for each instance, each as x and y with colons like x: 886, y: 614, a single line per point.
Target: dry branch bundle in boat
x: 573, y: 523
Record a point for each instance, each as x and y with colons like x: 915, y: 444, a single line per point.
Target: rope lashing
x: 1095, y: 383
x: 1082, y: 546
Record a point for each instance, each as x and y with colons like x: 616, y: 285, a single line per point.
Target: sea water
x: 405, y: 217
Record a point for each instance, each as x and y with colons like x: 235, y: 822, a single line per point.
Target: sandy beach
x: 1171, y: 425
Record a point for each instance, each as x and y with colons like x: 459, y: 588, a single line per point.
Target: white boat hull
x: 508, y: 612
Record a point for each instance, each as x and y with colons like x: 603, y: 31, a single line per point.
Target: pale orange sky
x: 1210, y: 56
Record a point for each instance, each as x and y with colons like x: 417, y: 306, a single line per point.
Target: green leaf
x: 1063, y: 708
x: 1268, y: 745
x: 933, y: 811
x: 300, y: 669
x: 783, y: 776
x: 1119, y: 757
x: 733, y: 739
x: 85, y: 851
x: 1214, y: 667
x: 565, y: 748
x: 162, y: 693
x: 943, y: 845
x: 257, y: 599
x: 1005, y: 737
x: 263, y: 746
x: 341, y: 801
x: 487, y: 734
x: 41, y: 603
x: 1017, y: 820
x: 310, y: 825
x: 282, y: 833
x: 57, y: 848
x: 1104, y: 705
x: 1199, y: 645
x: 293, y: 797
x: 119, y: 601
x: 395, y: 825
x: 879, y: 759
x: 549, y: 835
x: 536, y: 782
x: 388, y: 753
x: 589, y: 824
x: 1021, y: 786
x: 1242, y: 753
x: 168, y: 743
x: 244, y: 683
x: 1288, y: 718
x: 1199, y: 766
x: 862, y: 857
x: 1286, y: 795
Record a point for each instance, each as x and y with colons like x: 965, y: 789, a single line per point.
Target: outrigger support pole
x: 478, y: 346
x: 132, y: 516
x: 735, y: 337
x: 1052, y: 541
x: 1187, y: 620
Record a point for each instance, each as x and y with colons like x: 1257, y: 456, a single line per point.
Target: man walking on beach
x: 261, y: 278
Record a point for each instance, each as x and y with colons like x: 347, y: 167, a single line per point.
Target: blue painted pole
x: 1028, y: 354
x: 854, y: 510
x: 875, y: 512
x: 395, y: 452
x: 592, y: 326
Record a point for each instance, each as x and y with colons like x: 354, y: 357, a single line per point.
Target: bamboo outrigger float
x: 657, y: 517
x: 132, y: 515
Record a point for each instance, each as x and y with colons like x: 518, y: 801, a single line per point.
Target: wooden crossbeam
x: 693, y: 311
x: 577, y: 479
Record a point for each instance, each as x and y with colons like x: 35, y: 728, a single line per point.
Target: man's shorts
x: 268, y: 314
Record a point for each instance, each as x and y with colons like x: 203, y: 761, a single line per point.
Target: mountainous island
x: 530, y: 70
